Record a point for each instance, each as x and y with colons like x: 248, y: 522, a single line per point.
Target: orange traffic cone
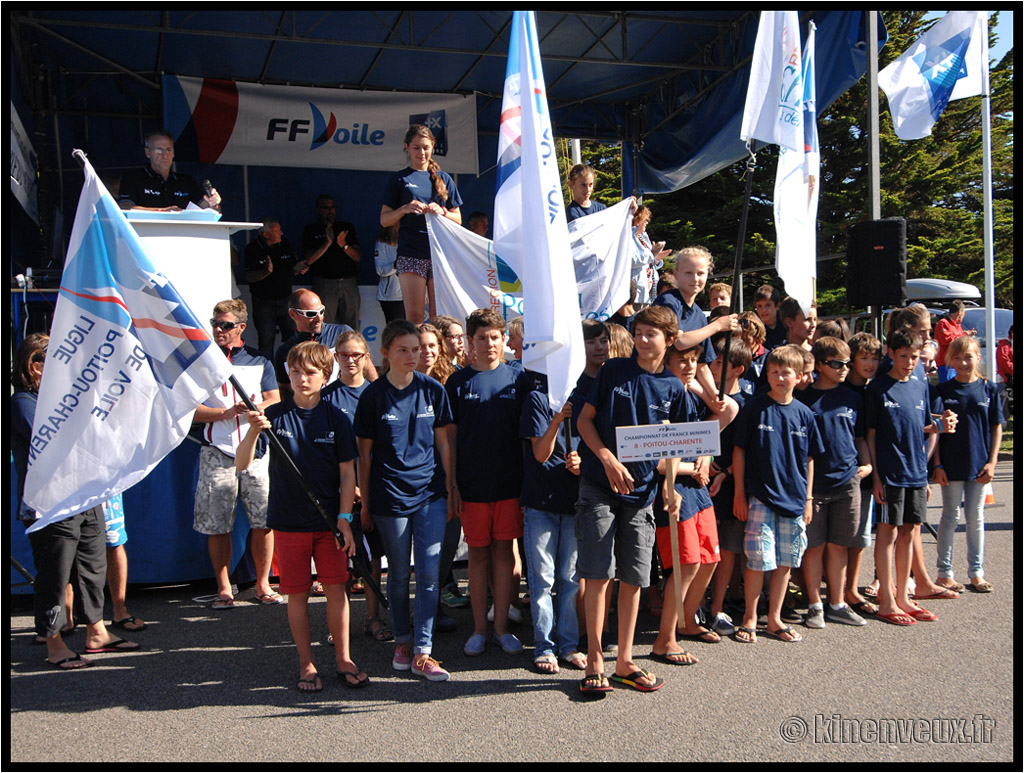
x: 990, y: 497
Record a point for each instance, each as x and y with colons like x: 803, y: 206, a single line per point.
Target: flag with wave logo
x: 945, y: 63
x: 127, y: 365
x: 530, y: 230
x: 772, y: 111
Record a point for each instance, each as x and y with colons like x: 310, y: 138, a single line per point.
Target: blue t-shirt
x: 344, y: 398
x: 401, y: 424
x: 775, y: 336
x: 840, y: 415
x: 487, y: 406
x: 899, y: 411
x: 574, y: 210
x: 625, y: 395
x: 978, y: 411
x: 548, y: 486
x: 777, y: 440
x: 23, y: 414
x: 723, y: 500
x: 690, y: 318
x: 405, y: 186
x: 318, y: 439
x: 694, y: 497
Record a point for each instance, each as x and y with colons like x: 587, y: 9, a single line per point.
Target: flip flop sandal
x: 60, y: 665
x: 313, y: 682
x: 577, y: 660
x: 781, y: 633
x: 674, y: 658
x: 707, y: 637
x: 923, y: 615
x: 594, y: 685
x: 269, y: 599
x: 863, y: 608
x: 222, y: 602
x: 896, y: 618
x: 127, y: 621
x: 751, y: 632
x: 546, y: 660
x: 946, y: 594
x: 384, y: 633
x: 633, y: 680
x: 343, y: 676
x: 978, y: 587
x: 118, y: 645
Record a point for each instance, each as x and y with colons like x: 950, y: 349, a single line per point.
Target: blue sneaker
x: 452, y: 599
x: 509, y: 643
x: 475, y: 645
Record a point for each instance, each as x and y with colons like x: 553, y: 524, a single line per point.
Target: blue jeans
x: 973, y: 496
x: 550, y: 543
x: 418, y: 537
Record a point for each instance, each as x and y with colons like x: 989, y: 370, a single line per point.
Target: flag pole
x: 737, y: 275
x: 990, y: 280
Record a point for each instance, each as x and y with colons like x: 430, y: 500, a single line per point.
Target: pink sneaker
x: 402, y: 661
x: 430, y: 669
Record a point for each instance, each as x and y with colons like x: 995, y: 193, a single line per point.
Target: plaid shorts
x: 771, y: 540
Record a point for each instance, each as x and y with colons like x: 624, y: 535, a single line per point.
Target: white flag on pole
x: 469, y: 274
x: 529, y: 201
x: 127, y: 365
x: 796, y: 198
x: 772, y: 112
x: 945, y: 63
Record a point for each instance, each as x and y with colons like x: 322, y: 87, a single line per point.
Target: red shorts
x: 485, y: 522
x: 294, y: 551
x: 698, y: 540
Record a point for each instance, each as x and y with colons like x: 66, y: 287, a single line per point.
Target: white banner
x: 529, y: 202
x: 127, y: 365
x: 772, y: 112
x: 227, y: 122
x: 469, y: 274
x: 686, y: 440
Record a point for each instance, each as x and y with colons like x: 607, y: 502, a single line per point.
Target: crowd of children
x: 821, y: 438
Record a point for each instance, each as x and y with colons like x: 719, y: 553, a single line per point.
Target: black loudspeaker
x: 876, y: 263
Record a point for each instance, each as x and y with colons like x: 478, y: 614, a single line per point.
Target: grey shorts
x: 614, y: 541
x: 836, y: 518
x: 220, y: 485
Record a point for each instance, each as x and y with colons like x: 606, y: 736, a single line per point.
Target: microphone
x: 207, y: 187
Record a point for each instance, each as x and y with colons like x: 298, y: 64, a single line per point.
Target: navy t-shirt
x: 487, y: 406
x: 978, y: 411
x: 575, y: 211
x: 327, y: 336
x: 318, y: 439
x: 840, y: 416
x: 775, y: 336
x: 625, y: 395
x: 690, y: 318
x: 777, y: 440
x: 344, y: 398
x: 694, y: 497
x: 899, y: 411
x: 723, y: 500
x: 405, y: 186
x: 23, y: 413
x: 401, y: 423
x: 548, y: 486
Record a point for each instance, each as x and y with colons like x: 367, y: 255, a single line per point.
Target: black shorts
x: 904, y: 506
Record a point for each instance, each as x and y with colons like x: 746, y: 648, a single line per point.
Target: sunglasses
x: 311, y: 313
x: 224, y: 324
x: 354, y: 356
x: 838, y: 364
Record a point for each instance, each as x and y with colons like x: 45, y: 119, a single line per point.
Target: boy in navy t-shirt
x: 615, y: 529
x: 837, y: 513
x: 486, y: 402
x: 319, y: 436
x: 898, y: 412
x: 776, y: 438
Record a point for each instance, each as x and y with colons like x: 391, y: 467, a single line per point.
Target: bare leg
x: 595, y: 614
x: 262, y: 542
x: 666, y: 643
x: 413, y: 292
x: 117, y: 581
x: 298, y: 622
x: 503, y: 566
x: 220, y: 556
x: 629, y: 605
x: 777, y: 587
x: 885, y: 542
x: 836, y: 567
x: 854, y: 560
x: 693, y: 597
x: 720, y: 581
x: 479, y: 569
x: 752, y: 583
x: 812, y: 566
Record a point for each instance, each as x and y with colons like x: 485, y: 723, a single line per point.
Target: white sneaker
x: 514, y: 615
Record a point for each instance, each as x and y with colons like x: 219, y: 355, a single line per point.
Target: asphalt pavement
x: 219, y: 687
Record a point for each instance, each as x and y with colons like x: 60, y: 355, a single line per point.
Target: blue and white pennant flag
x: 947, y: 62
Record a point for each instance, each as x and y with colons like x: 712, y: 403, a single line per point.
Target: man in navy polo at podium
x: 157, y: 187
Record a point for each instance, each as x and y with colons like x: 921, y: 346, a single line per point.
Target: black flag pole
x: 359, y: 564
x: 737, y: 275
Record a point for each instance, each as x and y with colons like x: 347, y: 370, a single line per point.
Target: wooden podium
x: 193, y: 249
